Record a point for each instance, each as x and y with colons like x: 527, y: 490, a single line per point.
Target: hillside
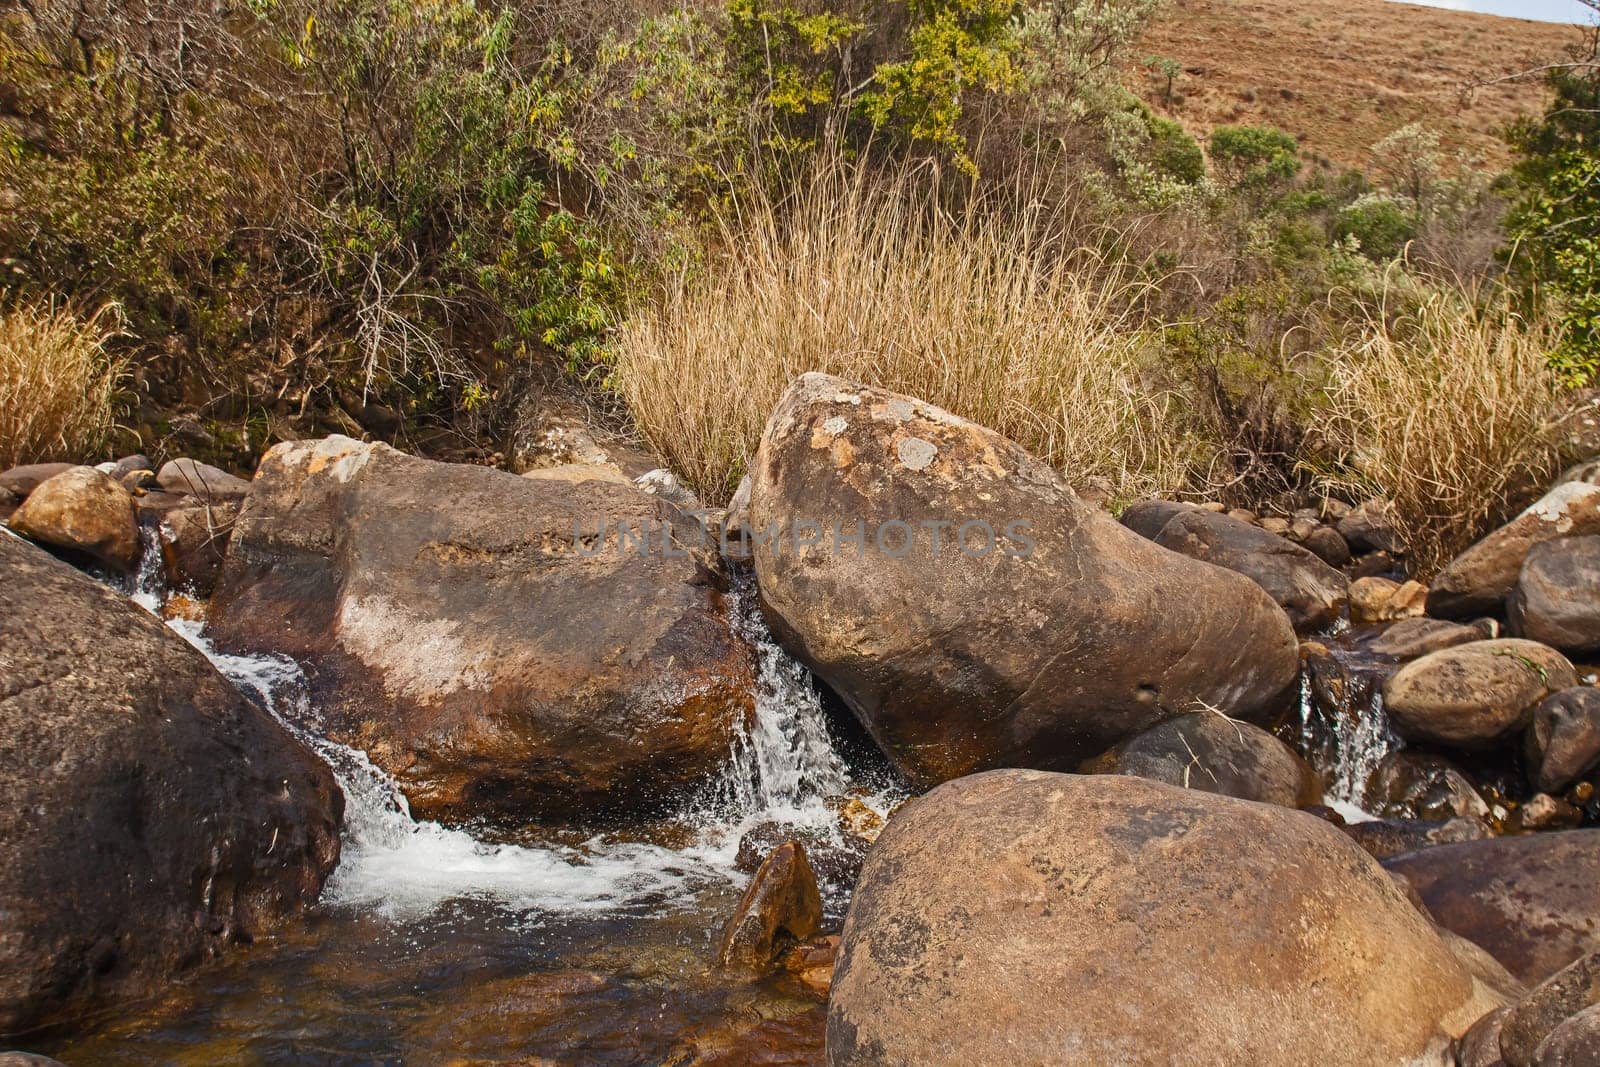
x: 1342, y: 74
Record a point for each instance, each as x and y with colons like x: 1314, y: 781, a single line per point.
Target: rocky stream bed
x: 372, y: 759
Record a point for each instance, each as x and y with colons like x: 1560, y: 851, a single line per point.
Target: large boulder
x: 1557, y: 596
x: 1216, y: 755
x: 988, y: 617
x: 28, y: 477
x: 1575, y: 1043
x: 1529, y: 900
x: 1564, y: 994
x: 152, y: 814
x: 1563, y: 740
x: 1025, y: 917
x: 1474, y: 694
x: 1313, y: 593
x: 84, y: 511
x: 490, y: 640
x: 1477, y: 581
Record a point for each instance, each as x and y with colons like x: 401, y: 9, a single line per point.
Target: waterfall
x: 1348, y: 742
x: 784, y: 765
x: 782, y: 768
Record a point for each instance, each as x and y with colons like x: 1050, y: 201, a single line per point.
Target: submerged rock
x: 1563, y: 741
x: 1024, y: 917
x: 1473, y: 694
x: 488, y: 639
x: 1035, y: 631
x: 153, y: 815
x: 1557, y: 596
x: 1417, y: 785
x: 1478, y: 581
x: 1311, y: 592
x: 1529, y: 901
x: 781, y: 907
x: 82, y: 510
x: 1207, y: 752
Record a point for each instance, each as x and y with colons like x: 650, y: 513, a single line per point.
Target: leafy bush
x: 58, y: 387
x: 1380, y: 225
x: 1254, y: 157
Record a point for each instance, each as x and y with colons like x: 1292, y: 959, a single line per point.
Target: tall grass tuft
x: 58, y: 385
x: 1453, y: 412
x: 992, y: 314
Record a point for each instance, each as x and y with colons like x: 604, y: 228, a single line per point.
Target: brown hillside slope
x: 1343, y: 74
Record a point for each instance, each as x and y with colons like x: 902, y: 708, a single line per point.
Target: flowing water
x: 432, y: 945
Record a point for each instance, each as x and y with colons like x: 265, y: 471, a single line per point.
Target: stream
x: 435, y: 945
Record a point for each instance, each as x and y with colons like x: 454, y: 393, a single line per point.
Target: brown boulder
x: 1478, y: 581
x: 475, y: 635
x: 1575, y: 1043
x: 1480, y: 1046
x: 1559, y: 997
x: 1413, y: 638
x: 989, y: 618
x: 1215, y: 755
x: 25, y: 479
x: 1563, y: 740
x: 1557, y: 596
x: 1529, y: 900
x: 82, y: 510
x: 1025, y: 917
x: 1311, y: 592
x: 1417, y: 785
x: 153, y: 815
x: 1372, y: 526
x: 187, y: 476
x: 781, y: 907
x: 1148, y: 518
x: 1474, y: 694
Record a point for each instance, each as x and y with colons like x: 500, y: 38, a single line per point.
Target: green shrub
x: 1254, y: 157
x: 1380, y: 225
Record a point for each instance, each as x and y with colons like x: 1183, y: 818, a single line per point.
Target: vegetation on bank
x: 378, y: 216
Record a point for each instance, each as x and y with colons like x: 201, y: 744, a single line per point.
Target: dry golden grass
x: 1453, y: 413
x: 990, y: 314
x: 1343, y: 74
x: 57, y: 384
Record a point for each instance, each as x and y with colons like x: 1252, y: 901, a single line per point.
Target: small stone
x: 1374, y: 564
x: 856, y: 818
x: 1301, y: 530
x: 1563, y: 740
x: 1243, y: 515
x: 25, y: 479
x: 1415, y: 785
x: 1334, y: 510
x: 781, y: 906
x: 1214, y: 506
x: 1413, y: 638
x: 1325, y: 543
x: 1275, y: 525
x: 1555, y: 1000
x: 1480, y: 1046
x: 1545, y: 812
x: 1373, y: 525
x: 201, y: 480
x: 1380, y: 600
x: 812, y: 963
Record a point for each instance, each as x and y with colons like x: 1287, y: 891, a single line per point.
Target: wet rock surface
x: 1563, y: 740
x: 1068, y: 635
x: 781, y: 908
x: 1009, y: 915
x: 458, y: 628
x: 1529, y: 900
x: 153, y: 816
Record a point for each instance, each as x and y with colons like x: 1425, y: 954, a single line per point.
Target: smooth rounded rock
x: 1311, y: 592
x: 1039, y: 633
x: 153, y: 816
x: 201, y: 479
x: 1575, y: 1043
x: 1417, y: 785
x: 1563, y: 740
x: 1557, y: 596
x: 1532, y: 1019
x: 1026, y: 917
x: 500, y: 645
x: 1530, y: 900
x: 1478, y: 581
x: 1215, y: 755
x: 85, y: 511
x: 1474, y: 694
x: 1415, y: 638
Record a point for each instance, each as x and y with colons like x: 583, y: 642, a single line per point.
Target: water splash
x: 1346, y: 742
x: 782, y: 769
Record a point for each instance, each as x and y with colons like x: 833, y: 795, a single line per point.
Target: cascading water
x: 1346, y: 738
x: 782, y: 770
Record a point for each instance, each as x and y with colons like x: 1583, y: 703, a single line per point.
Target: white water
x: 1358, y: 744
x: 782, y: 769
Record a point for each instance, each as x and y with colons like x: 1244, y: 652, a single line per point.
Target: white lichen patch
x: 847, y: 398
x: 915, y: 453
x: 423, y: 659
x: 1556, y: 505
